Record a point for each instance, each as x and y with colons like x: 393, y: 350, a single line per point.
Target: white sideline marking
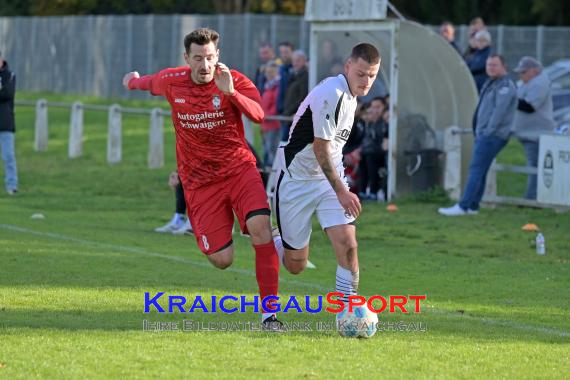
x: 142, y: 252
x: 146, y: 253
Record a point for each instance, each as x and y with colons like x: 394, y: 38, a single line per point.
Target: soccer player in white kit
x: 311, y: 174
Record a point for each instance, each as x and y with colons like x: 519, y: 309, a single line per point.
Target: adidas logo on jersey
x: 179, y: 100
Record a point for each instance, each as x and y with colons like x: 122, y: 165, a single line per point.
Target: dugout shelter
x: 427, y: 80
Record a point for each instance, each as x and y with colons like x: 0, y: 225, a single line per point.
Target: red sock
x: 267, y: 270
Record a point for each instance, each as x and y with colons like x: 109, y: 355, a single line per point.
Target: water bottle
x: 540, y: 244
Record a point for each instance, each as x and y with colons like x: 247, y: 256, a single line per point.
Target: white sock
x: 264, y: 316
x: 346, y: 282
x: 279, y: 248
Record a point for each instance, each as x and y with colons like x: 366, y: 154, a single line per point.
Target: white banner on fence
x: 553, y: 185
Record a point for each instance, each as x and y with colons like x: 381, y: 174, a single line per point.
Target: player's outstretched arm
x: 244, y: 96
x: 154, y: 83
x: 349, y: 201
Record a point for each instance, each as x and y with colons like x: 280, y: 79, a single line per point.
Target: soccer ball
x: 361, y: 323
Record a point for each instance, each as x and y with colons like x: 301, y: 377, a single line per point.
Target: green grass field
x: 72, y: 285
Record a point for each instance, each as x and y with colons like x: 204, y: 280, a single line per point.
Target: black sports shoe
x: 272, y: 324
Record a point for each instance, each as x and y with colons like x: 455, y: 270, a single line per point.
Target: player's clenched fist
x: 128, y: 76
x: 223, y: 79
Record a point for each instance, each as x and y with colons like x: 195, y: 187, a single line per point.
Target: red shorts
x: 211, y: 208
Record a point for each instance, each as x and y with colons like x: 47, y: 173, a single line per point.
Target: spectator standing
x: 447, y: 31
x: 179, y: 224
x: 351, y: 150
x: 476, y: 25
x: 372, y: 153
x: 270, y: 129
x: 534, y: 115
x: 8, y: 126
x: 383, y: 172
x: 298, y: 86
x: 285, y: 72
x: 477, y: 63
x: 329, y: 60
x: 266, y: 54
x: 492, y: 125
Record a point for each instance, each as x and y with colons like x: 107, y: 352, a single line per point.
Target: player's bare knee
x: 259, y: 228
x: 223, y: 258
x: 295, y: 261
x: 295, y: 268
x: 221, y: 263
x: 260, y: 235
x: 349, y: 245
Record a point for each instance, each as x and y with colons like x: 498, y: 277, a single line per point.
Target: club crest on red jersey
x: 216, y: 101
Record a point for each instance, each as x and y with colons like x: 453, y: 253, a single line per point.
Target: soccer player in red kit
x: 215, y: 165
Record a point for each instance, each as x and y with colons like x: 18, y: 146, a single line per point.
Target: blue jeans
x: 531, y: 153
x: 485, y: 150
x: 9, y: 158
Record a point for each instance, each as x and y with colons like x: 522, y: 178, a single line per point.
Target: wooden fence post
x: 452, y: 148
x: 41, y: 127
x: 156, y: 140
x: 114, y: 137
x: 76, y: 130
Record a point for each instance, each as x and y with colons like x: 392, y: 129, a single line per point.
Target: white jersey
x: 327, y: 113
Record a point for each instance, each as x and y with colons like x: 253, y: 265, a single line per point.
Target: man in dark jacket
x: 447, y: 31
x: 266, y: 55
x: 372, y: 153
x: 298, y: 86
x: 285, y: 73
x: 477, y: 63
x: 7, y: 126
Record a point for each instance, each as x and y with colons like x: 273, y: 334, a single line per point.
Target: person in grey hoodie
x: 492, y: 127
x: 534, y: 115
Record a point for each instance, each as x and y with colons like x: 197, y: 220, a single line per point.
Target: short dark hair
x: 367, y: 52
x: 288, y: 44
x: 501, y: 58
x: 202, y: 36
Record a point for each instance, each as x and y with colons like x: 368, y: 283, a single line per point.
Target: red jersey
x: 210, y: 140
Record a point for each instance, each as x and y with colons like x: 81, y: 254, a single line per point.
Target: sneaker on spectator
x: 12, y: 191
x: 381, y: 196
x: 456, y: 210
x: 186, y: 229
x: 175, y: 223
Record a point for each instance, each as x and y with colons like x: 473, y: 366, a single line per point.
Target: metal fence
x: 547, y: 44
x: 89, y: 54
